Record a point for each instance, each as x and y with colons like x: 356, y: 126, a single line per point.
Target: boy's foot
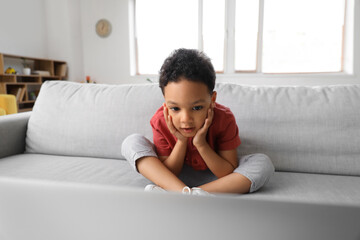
x: 153, y: 188
x: 195, y: 191
x: 186, y: 190
x: 199, y: 192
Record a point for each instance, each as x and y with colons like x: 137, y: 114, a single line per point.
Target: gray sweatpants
x: 258, y: 167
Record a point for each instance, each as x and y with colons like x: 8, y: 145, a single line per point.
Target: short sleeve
x: 162, y: 147
x: 161, y: 135
x: 228, y: 138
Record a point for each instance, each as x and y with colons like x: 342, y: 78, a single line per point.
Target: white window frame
x: 350, y: 53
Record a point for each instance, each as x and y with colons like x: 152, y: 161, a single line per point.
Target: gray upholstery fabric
x: 71, y: 169
x: 89, y: 120
x: 283, y: 186
x: 314, y: 188
x: 12, y: 133
x: 302, y: 129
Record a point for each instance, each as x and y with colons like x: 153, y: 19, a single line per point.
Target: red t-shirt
x: 223, y: 134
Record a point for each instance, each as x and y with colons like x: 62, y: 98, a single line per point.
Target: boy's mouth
x: 188, y: 130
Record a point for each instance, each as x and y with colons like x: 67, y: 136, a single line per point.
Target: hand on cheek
x: 170, y: 124
x: 200, y: 137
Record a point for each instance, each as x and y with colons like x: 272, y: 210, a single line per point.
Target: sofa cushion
x: 302, y: 129
x: 89, y: 120
x: 312, y: 188
x: 71, y: 169
x: 283, y: 186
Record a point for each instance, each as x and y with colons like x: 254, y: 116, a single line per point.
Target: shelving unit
x: 26, y: 87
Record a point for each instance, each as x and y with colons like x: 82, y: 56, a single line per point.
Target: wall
x: 22, y: 28
x: 43, y: 29
x: 106, y: 60
x: 64, y: 35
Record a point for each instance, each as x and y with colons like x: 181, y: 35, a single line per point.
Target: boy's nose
x: 186, y: 117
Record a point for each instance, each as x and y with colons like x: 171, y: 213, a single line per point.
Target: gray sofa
x: 75, y: 131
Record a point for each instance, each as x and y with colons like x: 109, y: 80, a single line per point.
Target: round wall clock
x: 103, y: 28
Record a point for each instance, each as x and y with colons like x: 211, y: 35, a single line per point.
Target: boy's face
x: 188, y: 104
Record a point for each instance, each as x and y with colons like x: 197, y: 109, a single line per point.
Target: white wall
x: 64, y: 35
x: 43, y: 29
x: 65, y: 30
x: 106, y: 60
x: 22, y: 28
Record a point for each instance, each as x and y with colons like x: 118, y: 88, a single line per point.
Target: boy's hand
x: 200, y: 137
x: 171, y: 126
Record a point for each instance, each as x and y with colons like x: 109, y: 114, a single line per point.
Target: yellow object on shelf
x: 10, y: 70
x: 8, y: 104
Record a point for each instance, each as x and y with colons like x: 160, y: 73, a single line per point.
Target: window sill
x: 271, y: 79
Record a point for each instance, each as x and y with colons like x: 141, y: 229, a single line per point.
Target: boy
x: 191, y: 129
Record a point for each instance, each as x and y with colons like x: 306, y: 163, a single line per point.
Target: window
x: 309, y: 40
x: 246, y: 34
x: 260, y: 36
x: 213, y: 34
x: 161, y: 27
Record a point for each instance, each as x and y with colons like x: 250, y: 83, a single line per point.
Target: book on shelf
x: 18, y: 92
x: 22, y: 94
x: 41, y: 73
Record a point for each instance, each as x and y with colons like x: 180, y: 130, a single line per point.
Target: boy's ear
x: 213, y: 97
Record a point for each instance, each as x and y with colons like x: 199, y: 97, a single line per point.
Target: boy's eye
x: 175, y: 109
x: 197, y: 108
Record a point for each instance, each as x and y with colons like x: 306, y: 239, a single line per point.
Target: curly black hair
x: 190, y: 64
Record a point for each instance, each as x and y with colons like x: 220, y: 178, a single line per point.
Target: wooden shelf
x: 28, y: 101
x: 25, y: 110
x: 27, y: 87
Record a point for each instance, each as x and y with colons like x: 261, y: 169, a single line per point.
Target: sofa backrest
x: 91, y: 120
x: 302, y: 129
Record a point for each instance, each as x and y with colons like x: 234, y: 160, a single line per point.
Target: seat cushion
x: 283, y: 186
x: 314, y: 188
x: 71, y: 169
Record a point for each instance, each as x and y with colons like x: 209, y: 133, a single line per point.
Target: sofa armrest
x: 12, y: 133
